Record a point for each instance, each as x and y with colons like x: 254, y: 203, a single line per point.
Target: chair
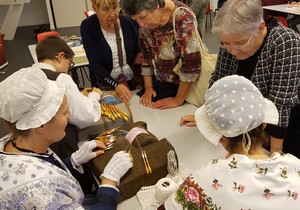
x: 3, y: 61
x: 208, y: 12
x: 88, y: 13
x: 43, y: 35
x: 282, y: 20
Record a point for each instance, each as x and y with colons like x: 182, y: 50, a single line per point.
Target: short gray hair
x: 238, y: 16
x: 134, y: 7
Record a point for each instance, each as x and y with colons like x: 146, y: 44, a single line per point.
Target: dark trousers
x: 163, y: 90
x: 293, y: 22
x: 291, y: 142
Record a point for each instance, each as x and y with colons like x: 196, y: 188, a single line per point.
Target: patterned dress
x: 32, y: 181
x: 241, y: 183
x: 29, y: 182
x: 162, y: 51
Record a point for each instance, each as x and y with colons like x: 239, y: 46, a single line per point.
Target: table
x: 12, y: 17
x: 282, y: 8
x: 192, y: 149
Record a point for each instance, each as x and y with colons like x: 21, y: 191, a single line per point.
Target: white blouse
x: 239, y: 182
x: 117, y: 70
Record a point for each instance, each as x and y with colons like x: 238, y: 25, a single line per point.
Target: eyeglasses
x: 71, y: 64
x: 108, y: 11
x: 236, y: 46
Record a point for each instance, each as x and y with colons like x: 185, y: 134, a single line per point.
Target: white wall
x: 34, y: 13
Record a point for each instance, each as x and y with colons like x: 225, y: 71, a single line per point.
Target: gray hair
x: 134, y: 7
x: 237, y: 17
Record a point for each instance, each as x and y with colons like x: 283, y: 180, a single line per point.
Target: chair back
x: 207, y: 8
x: 43, y: 35
x: 282, y: 20
x: 88, y: 13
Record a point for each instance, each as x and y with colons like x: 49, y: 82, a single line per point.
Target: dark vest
x: 69, y: 143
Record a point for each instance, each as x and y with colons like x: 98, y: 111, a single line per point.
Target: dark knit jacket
x: 277, y: 71
x: 98, y: 51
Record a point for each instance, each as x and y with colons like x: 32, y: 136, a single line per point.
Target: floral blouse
x: 29, y: 182
x: 241, y: 183
x: 162, y: 51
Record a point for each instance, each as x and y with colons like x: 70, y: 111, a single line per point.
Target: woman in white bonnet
x: 235, y: 114
x: 31, y: 175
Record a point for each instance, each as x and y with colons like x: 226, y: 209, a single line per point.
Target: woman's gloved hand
x: 119, y: 164
x: 87, y: 151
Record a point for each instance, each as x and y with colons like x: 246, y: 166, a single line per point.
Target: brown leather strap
x: 129, y: 111
x: 104, y: 122
x: 119, y: 40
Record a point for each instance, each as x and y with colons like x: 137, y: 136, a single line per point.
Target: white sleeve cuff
x: 94, y: 95
x: 146, y: 71
x: 107, y: 185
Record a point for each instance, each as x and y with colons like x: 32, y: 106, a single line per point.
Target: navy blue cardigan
x: 98, y: 51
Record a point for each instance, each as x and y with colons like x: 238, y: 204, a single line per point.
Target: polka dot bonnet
x: 233, y: 106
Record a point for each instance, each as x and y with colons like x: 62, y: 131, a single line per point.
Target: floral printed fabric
x: 241, y: 183
x: 163, y: 51
x: 28, y: 182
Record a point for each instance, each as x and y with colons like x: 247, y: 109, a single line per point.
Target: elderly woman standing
x: 162, y: 51
x: 99, y: 41
x: 199, y: 8
x: 32, y: 175
x: 267, y: 53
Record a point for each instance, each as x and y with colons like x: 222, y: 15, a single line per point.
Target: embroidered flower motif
x: 262, y: 170
x: 240, y: 188
x: 216, y: 184
x: 5, y: 176
x: 284, y: 173
x: 20, y: 168
x: 267, y: 194
x: 214, y: 161
x: 293, y: 195
x: 191, y: 196
x: 233, y: 163
x: 298, y: 172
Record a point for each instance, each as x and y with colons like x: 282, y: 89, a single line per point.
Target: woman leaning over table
x: 267, y: 53
x: 31, y: 175
x: 161, y: 51
x: 99, y: 41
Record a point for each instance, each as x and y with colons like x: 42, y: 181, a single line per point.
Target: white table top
x: 192, y: 149
x: 283, y: 8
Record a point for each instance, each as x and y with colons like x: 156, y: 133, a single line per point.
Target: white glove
x: 84, y: 153
x: 119, y: 164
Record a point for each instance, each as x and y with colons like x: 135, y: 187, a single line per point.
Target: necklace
x: 14, y: 144
x: 49, y: 158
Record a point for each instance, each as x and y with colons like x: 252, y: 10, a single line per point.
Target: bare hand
x: 146, y: 98
x: 188, y: 120
x: 123, y: 92
x: 97, y: 90
x: 166, y: 103
x: 86, y: 91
